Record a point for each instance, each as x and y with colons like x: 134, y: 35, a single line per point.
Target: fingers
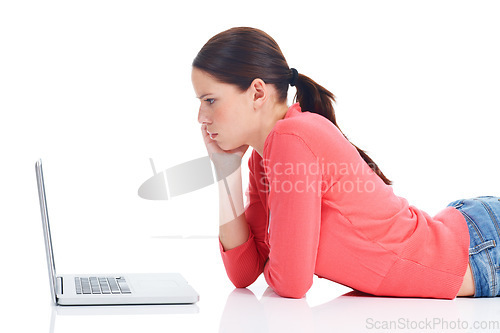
x: 210, y: 145
x: 204, y: 134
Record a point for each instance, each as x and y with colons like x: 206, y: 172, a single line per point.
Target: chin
x: 226, y: 146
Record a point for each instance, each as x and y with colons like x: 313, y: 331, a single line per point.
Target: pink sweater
x: 315, y: 207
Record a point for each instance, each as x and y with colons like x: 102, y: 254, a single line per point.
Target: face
x: 225, y: 110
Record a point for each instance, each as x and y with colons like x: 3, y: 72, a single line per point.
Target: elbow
x: 291, y: 288
x: 292, y: 292
x: 242, y: 281
x: 241, y: 285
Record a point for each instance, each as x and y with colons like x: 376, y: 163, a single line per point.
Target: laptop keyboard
x: 101, y: 285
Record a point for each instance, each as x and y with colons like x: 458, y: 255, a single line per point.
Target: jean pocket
x: 482, y: 246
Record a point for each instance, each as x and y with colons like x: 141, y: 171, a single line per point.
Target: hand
x: 213, y: 147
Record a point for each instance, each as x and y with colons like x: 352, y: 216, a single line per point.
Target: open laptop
x: 111, y: 289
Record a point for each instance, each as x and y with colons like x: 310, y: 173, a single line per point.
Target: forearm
x: 233, y: 227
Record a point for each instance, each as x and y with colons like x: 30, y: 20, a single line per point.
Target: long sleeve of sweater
x: 295, y: 208
x: 246, y: 262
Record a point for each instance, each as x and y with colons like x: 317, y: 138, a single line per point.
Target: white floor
x: 327, y: 307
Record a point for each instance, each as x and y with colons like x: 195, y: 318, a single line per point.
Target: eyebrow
x: 200, y: 97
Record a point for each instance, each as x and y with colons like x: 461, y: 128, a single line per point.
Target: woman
x: 317, y: 204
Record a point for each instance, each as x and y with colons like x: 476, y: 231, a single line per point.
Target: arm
x: 233, y: 227
x: 295, y: 206
x: 240, y: 230
x: 242, y: 239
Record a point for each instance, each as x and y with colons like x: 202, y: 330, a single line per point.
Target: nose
x: 202, y: 116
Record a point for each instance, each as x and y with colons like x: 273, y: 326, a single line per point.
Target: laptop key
x: 94, y: 284
x: 123, y: 286
x: 78, y: 286
x: 114, y: 286
x: 104, y: 286
x: 85, y: 286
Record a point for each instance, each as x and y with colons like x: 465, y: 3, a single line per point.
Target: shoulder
x: 309, y: 135
x: 303, y: 124
x: 305, y: 129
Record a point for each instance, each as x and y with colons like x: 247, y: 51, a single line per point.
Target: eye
x: 210, y: 100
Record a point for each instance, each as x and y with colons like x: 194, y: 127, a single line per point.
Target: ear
x: 259, y: 92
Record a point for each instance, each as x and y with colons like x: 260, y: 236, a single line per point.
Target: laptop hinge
x: 59, y: 286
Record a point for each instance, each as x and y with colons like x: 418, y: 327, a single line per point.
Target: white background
x: 96, y: 88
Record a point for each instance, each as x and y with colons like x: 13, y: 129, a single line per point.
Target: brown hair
x: 240, y: 55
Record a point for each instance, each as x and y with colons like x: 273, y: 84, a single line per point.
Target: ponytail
x: 315, y: 98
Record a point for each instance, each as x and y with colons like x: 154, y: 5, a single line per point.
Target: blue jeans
x: 483, y: 220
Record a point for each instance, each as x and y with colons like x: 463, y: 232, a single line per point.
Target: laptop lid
x: 46, y: 230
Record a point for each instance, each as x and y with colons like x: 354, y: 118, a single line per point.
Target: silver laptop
x: 115, y: 289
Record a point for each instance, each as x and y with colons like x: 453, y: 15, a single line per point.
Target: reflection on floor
x: 357, y: 312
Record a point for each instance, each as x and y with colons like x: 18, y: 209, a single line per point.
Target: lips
x: 212, y: 135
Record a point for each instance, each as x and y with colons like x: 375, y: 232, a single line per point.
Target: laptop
x: 109, y: 289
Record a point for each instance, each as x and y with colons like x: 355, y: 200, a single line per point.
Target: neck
x: 270, y: 119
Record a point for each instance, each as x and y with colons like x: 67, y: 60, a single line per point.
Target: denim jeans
x: 483, y: 220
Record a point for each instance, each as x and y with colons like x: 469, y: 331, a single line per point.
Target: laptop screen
x: 46, y: 229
